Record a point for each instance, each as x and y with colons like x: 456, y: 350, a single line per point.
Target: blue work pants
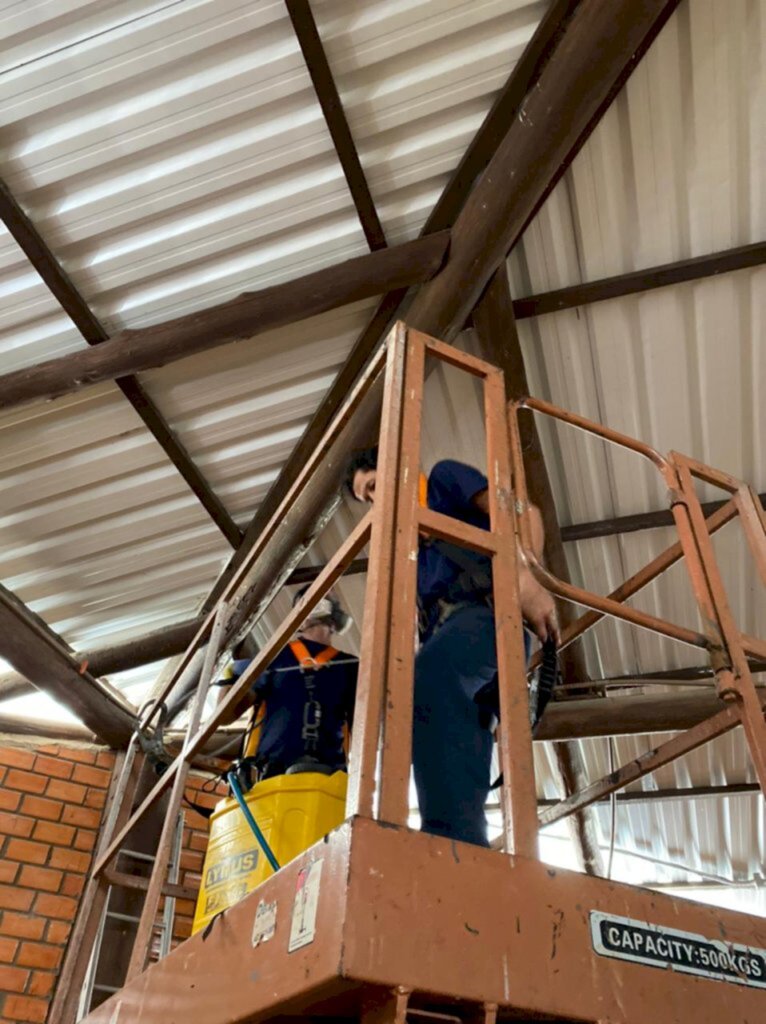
x: 452, y: 739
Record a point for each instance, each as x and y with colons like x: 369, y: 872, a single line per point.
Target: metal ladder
x: 77, y: 981
x: 164, y: 929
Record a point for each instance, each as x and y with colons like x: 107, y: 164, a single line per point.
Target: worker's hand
x: 538, y: 608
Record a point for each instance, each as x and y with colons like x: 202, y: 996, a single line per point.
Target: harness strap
x: 312, y: 709
x: 306, y: 660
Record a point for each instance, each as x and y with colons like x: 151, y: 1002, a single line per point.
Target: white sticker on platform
x: 303, y: 925
x: 668, y: 948
x: 265, y: 923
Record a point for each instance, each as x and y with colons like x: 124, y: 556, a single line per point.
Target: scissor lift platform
x: 378, y: 910
x: 382, y: 924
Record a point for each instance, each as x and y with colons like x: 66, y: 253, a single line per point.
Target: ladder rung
x: 122, y: 917
x: 106, y: 988
x: 124, y: 881
x: 432, y: 1015
x: 137, y: 855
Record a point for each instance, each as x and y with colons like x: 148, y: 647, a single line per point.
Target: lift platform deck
x: 377, y: 912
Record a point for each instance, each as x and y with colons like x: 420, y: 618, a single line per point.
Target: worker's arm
x: 537, y: 604
x: 235, y: 670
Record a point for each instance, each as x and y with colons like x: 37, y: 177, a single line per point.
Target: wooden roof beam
x: 335, y: 118
x: 38, y: 653
x: 728, y: 261
x: 141, y: 650
x: 41, y: 257
x: 153, y: 646
x: 593, y: 57
x: 574, y: 719
x: 237, y: 319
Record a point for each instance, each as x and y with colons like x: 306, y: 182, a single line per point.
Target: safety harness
x: 308, y: 664
x: 312, y: 709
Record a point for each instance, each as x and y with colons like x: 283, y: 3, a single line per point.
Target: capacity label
x: 655, y: 946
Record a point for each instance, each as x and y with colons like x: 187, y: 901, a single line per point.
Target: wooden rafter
x: 59, y: 283
x: 335, y: 118
x: 593, y: 57
x: 505, y: 107
x: 141, y: 650
x: 153, y: 646
x: 38, y: 653
x: 235, y: 320
x: 725, y: 262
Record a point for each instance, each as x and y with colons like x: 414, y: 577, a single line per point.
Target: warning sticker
x: 265, y: 923
x: 303, y: 925
x: 650, y: 944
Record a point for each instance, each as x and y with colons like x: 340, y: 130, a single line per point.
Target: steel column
x: 402, y: 472
x: 518, y: 796
x: 373, y: 656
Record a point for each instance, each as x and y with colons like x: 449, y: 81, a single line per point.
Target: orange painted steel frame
x: 406, y: 922
x: 727, y: 647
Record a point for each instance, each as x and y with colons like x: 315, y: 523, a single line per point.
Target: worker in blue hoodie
x: 456, y: 663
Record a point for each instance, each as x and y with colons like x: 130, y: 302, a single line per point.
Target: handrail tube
x: 331, y: 572
x: 590, y: 427
x: 330, y: 435
x: 620, y: 611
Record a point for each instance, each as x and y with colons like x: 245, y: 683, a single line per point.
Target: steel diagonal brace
x: 645, y: 764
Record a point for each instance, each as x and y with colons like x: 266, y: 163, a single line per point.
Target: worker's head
x: 326, y: 621
x: 361, y: 473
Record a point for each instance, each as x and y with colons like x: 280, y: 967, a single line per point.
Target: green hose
x: 234, y: 784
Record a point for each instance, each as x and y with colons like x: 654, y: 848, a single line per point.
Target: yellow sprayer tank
x: 293, y: 811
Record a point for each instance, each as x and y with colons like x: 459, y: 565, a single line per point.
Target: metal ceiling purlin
x: 50, y: 270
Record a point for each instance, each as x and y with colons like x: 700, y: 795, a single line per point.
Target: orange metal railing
x: 392, y: 528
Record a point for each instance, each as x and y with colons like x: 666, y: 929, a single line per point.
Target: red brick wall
x: 51, y: 802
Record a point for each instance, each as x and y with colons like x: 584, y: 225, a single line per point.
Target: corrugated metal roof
x: 173, y: 155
